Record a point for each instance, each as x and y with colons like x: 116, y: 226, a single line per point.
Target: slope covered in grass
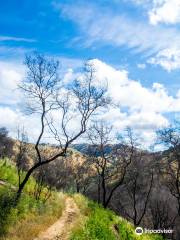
x: 30, y: 216
x: 98, y: 223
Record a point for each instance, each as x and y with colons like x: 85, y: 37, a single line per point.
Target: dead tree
x: 42, y: 189
x: 111, y: 166
x: 21, y: 156
x: 48, y: 96
x: 161, y: 214
x: 170, y: 137
x: 40, y: 183
x: 6, y: 144
x: 137, y: 189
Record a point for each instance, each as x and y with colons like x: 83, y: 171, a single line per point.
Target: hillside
x: 71, y: 217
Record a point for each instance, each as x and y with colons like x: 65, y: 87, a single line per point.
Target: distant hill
x: 88, y: 148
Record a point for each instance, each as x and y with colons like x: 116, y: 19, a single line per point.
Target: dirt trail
x: 61, y: 229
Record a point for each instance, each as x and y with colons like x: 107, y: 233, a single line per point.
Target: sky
x: 134, y: 45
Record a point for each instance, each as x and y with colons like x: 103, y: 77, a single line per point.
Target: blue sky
x: 139, y: 37
x: 53, y: 27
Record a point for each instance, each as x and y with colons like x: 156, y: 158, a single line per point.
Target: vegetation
x: 46, y: 94
x: 103, y: 224
x: 29, y: 217
x: 138, y: 185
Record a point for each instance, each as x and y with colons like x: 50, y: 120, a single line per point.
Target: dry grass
x: 29, y: 228
x: 82, y: 204
x: 32, y: 224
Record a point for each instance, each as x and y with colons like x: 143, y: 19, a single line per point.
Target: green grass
x: 102, y: 224
x: 8, y: 173
x: 30, y: 216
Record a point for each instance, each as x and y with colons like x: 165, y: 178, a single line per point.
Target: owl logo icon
x: 139, y: 231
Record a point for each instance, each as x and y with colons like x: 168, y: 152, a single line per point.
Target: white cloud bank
x: 131, y: 94
x: 141, y: 108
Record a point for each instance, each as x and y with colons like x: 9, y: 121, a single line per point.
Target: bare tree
x: 21, y: 156
x: 45, y: 93
x: 161, y: 214
x: 42, y: 189
x: 111, y: 161
x: 170, y: 167
x: 6, y: 144
x: 137, y: 189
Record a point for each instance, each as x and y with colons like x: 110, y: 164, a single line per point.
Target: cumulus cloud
x: 11, y: 75
x: 13, y: 118
x: 141, y: 108
x: 165, y: 11
x: 160, y: 11
x: 169, y: 59
x: 132, y: 94
x: 134, y: 105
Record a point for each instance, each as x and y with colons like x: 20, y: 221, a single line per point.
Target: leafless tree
x: 47, y: 95
x: 161, y: 214
x: 111, y: 166
x: 6, y: 143
x: 170, y: 166
x: 137, y: 189
x: 21, y: 156
x: 42, y: 189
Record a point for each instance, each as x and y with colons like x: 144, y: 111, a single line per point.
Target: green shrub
x: 103, y: 224
x: 8, y: 172
x: 127, y: 232
x: 98, y: 225
x: 8, y: 214
x: 11, y: 214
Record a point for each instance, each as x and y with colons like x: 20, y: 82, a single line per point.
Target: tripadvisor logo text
x: 140, y: 231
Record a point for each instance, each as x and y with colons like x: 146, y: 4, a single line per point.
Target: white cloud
x: 165, y: 11
x: 122, y: 30
x: 138, y: 107
x: 152, y: 40
x: 16, y: 39
x: 169, y: 59
x: 141, y: 65
x: 131, y: 94
x: 13, y: 118
x: 8, y: 117
x: 69, y: 62
x: 11, y: 75
x: 160, y: 11
x: 134, y: 105
x: 140, y: 2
